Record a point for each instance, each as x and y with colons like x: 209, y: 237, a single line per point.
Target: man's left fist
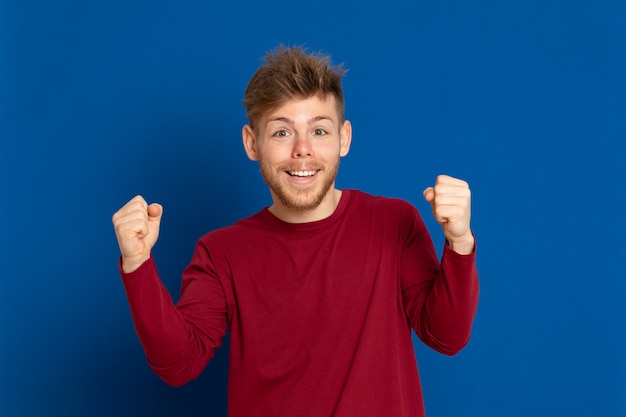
x: 450, y: 199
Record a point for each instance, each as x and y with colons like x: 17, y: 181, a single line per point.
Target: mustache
x: 300, y: 167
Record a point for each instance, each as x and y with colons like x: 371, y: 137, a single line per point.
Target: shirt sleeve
x: 440, y: 298
x: 178, y: 339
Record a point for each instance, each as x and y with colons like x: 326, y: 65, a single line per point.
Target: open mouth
x: 302, y: 174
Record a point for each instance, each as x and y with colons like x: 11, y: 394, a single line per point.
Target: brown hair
x: 288, y: 73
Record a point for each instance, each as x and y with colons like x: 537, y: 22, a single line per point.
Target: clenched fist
x: 450, y: 201
x: 137, y: 230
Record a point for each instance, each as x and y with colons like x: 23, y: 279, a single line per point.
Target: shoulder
x: 388, y: 213
x: 235, y: 232
x: 380, y: 204
x: 387, y: 217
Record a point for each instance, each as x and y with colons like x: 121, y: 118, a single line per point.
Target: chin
x: 301, y: 201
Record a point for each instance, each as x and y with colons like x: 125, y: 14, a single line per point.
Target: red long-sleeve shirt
x: 320, y: 313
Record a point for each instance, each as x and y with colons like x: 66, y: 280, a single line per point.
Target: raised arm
x: 440, y: 299
x: 178, y: 339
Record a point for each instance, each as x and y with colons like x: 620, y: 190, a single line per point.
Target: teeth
x: 302, y: 173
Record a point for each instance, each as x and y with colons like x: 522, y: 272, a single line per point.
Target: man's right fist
x: 137, y: 230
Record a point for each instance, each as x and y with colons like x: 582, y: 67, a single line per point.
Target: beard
x: 299, y: 198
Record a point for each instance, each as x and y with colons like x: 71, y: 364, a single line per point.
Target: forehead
x: 301, y: 108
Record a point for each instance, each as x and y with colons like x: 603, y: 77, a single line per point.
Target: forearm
x: 445, y: 321
x: 170, y: 342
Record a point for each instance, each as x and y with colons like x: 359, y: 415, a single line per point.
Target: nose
x: 302, y: 147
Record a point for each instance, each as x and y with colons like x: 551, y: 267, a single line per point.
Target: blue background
x: 524, y: 99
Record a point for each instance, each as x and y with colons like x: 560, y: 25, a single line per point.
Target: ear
x: 249, y: 143
x: 345, y: 137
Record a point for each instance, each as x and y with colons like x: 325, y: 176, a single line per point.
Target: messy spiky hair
x: 290, y: 72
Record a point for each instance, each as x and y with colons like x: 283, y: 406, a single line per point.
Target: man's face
x: 298, y: 147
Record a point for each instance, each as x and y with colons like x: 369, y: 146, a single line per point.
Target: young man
x: 320, y: 290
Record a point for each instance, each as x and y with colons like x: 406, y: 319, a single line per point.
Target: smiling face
x: 298, y: 147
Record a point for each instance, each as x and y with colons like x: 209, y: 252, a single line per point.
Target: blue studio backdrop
x: 526, y: 100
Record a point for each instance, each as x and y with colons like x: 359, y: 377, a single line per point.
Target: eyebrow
x: 291, y: 122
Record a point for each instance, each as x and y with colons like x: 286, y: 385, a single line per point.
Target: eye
x: 281, y: 133
x: 319, y: 132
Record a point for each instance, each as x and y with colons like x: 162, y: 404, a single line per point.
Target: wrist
x: 131, y: 265
x: 463, y: 245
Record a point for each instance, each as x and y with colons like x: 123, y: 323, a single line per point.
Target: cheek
x: 331, y: 151
x: 273, y: 155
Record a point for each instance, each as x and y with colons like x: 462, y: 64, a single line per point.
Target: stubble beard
x: 299, y: 199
